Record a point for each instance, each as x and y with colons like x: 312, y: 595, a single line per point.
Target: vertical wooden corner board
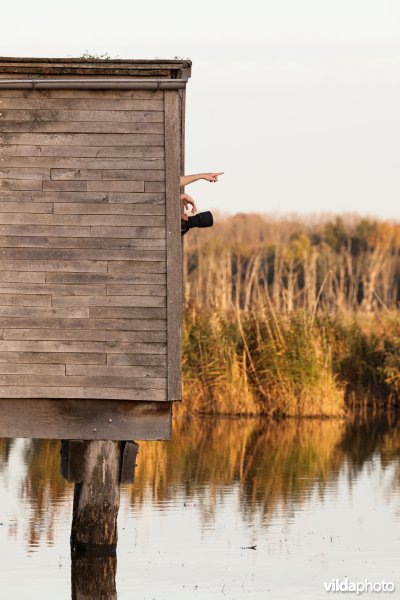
x: 90, y: 264
x: 173, y: 135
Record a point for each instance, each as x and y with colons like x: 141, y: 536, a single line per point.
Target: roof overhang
x: 77, y: 73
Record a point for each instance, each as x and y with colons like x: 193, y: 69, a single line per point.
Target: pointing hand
x: 212, y: 177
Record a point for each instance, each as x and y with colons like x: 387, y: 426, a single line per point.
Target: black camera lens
x: 203, y: 219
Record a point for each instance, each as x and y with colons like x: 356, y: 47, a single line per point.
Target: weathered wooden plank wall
x: 83, y: 265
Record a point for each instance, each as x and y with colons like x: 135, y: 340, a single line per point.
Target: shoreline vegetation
x: 292, y: 318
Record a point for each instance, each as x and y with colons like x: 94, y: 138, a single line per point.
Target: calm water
x: 316, y: 499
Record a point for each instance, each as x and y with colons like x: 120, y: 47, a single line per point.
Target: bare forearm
x: 187, y: 179
x: 212, y: 177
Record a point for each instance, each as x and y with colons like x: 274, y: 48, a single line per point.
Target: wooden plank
x: 126, y: 267
x: 136, y: 359
x: 115, y: 186
x: 85, y: 419
x: 65, y: 186
x: 130, y: 278
x: 35, y: 173
x: 119, y: 371
x: 120, y: 312
x: 16, y: 299
x: 45, y: 163
x: 61, y: 69
x: 42, y: 334
x: 74, y: 104
x: 29, y: 277
x: 29, y: 207
x: 57, y: 323
x: 174, y: 244
x: 117, y: 301
x: 87, y: 266
x: 82, y: 219
x: 19, y: 151
x: 59, y: 392
x: 82, y: 358
x: 132, y: 383
x: 157, y: 198
x: 41, y: 369
x: 135, y: 290
x: 39, y: 230
x: 58, y: 196
x: 133, y: 175
x: 67, y: 162
x: 140, y: 152
x: 7, y: 298
x: 80, y: 127
x: 75, y: 174
x: 59, y: 289
x: 128, y: 232
x: 88, y: 208
x: 44, y: 115
x: 134, y: 348
x: 60, y: 346
x: 22, y: 71
x: 20, y: 184
x: 25, y: 241
x: 83, y: 242
x: 80, y: 254
x: 68, y: 152
x: 26, y: 311
x: 134, y: 336
x: 82, y: 139
x: 83, y: 197
x: 87, y: 94
x: 154, y: 186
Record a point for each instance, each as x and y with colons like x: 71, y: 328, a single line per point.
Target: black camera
x: 203, y: 219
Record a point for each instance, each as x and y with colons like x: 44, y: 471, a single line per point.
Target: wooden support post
x: 96, y: 500
x: 97, y: 468
x: 93, y: 577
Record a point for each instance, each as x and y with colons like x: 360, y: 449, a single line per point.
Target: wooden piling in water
x: 97, y: 468
x: 96, y: 499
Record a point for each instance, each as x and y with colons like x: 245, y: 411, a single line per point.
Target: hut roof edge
x: 22, y: 68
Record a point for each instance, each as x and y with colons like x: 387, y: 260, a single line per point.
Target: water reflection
x: 278, y: 463
x: 271, y: 462
x: 93, y: 577
x: 302, y: 492
x: 44, y: 492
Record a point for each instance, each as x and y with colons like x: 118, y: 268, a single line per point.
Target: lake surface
x: 229, y: 509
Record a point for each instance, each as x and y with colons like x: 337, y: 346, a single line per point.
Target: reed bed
x: 292, y: 318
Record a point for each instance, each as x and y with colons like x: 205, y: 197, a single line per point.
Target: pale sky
x: 296, y: 100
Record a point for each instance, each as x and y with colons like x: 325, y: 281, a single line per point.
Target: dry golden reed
x: 279, y: 316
